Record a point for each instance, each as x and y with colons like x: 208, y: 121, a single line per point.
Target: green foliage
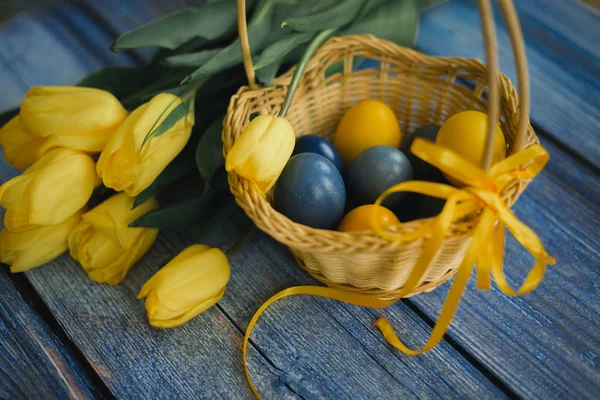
x: 335, y: 17
x: 396, y: 21
x: 208, y: 22
x: 185, y: 212
x: 209, y: 153
x: 277, y: 51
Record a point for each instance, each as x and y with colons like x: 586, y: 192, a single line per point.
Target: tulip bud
x: 262, y: 150
x: 104, y: 244
x: 30, y: 249
x: 54, y: 188
x: 127, y: 163
x: 83, y: 118
x: 21, y: 148
x: 188, y: 285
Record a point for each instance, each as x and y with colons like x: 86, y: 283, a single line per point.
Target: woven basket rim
x: 334, y: 240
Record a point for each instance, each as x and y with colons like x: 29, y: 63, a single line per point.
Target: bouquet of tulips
x: 131, y: 150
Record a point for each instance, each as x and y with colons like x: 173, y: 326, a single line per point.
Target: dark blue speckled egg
x: 375, y: 170
x: 311, y: 191
x: 422, y: 170
x: 318, y: 145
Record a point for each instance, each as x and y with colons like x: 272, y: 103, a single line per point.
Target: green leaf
x: 335, y: 17
x: 8, y: 115
x: 266, y: 74
x: 191, y: 60
x: 209, y: 153
x: 120, y: 81
x: 208, y: 22
x: 183, y: 213
x: 278, y: 50
x: 258, y: 32
x: 177, y: 169
x: 370, y: 5
x: 323, y: 5
x: 178, y: 113
x: 422, y: 4
x: 396, y: 21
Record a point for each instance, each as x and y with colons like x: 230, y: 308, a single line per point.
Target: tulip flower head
x: 104, y: 244
x: 188, y: 285
x: 262, y: 150
x: 21, y: 147
x: 130, y: 164
x: 26, y: 250
x: 71, y: 116
x: 53, y: 189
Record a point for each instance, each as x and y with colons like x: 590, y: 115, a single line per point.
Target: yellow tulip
x: 262, y: 150
x: 126, y: 165
x: 188, y: 285
x: 82, y: 118
x: 26, y: 250
x: 103, y: 243
x: 21, y: 148
x: 54, y: 188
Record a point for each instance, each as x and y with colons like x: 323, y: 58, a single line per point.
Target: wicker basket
x: 421, y: 90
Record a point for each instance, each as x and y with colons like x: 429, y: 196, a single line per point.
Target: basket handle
x: 487, y: 23
x: 245, y: 44
x: 513, y: 27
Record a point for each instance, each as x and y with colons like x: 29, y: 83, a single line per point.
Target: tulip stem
x: 310, y: 50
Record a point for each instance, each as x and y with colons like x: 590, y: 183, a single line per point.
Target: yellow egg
x: 359, y: 219
x: 366, y: 124
x: 465, y: 133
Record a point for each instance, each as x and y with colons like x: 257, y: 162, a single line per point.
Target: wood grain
x: 34, y: 363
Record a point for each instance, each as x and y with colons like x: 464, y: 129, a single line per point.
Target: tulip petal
x: 189, y: 314
x: 27, y: 250
x: 245, y: 145
x: 58, y: 191
x: 65, y: 110
x: 127, y: 163
x: 21, y: 148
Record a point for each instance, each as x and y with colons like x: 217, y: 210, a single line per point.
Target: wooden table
x: 62, y: 336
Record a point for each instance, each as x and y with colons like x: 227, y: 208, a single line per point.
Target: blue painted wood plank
x: 39, y: 49
x: 564, y: 77
x: 34, y: 363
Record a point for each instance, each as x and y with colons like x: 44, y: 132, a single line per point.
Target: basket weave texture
x: 421, y: 90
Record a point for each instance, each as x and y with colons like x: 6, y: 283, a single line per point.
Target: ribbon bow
x: 481, y: 195
x: 487, y: 244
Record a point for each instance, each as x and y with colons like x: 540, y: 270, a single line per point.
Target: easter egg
x: 318, y: 145
x: 420, y: 206
x: 311, y: 191
x: 466, y: 134
x: 359, y: 219
x: 423, y: 171
x: 375, y: 170
x: 366, y: 124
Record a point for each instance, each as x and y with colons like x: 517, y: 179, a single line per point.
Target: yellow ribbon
x: 481, y: 194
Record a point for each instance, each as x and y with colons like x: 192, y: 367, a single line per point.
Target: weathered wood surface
x: 538, y: 346
x: 34, y: 362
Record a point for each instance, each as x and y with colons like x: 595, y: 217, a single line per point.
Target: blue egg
x: 311, y: 191
x: 424, y: 171
x: 377, y: 169
x: 318, y: 145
